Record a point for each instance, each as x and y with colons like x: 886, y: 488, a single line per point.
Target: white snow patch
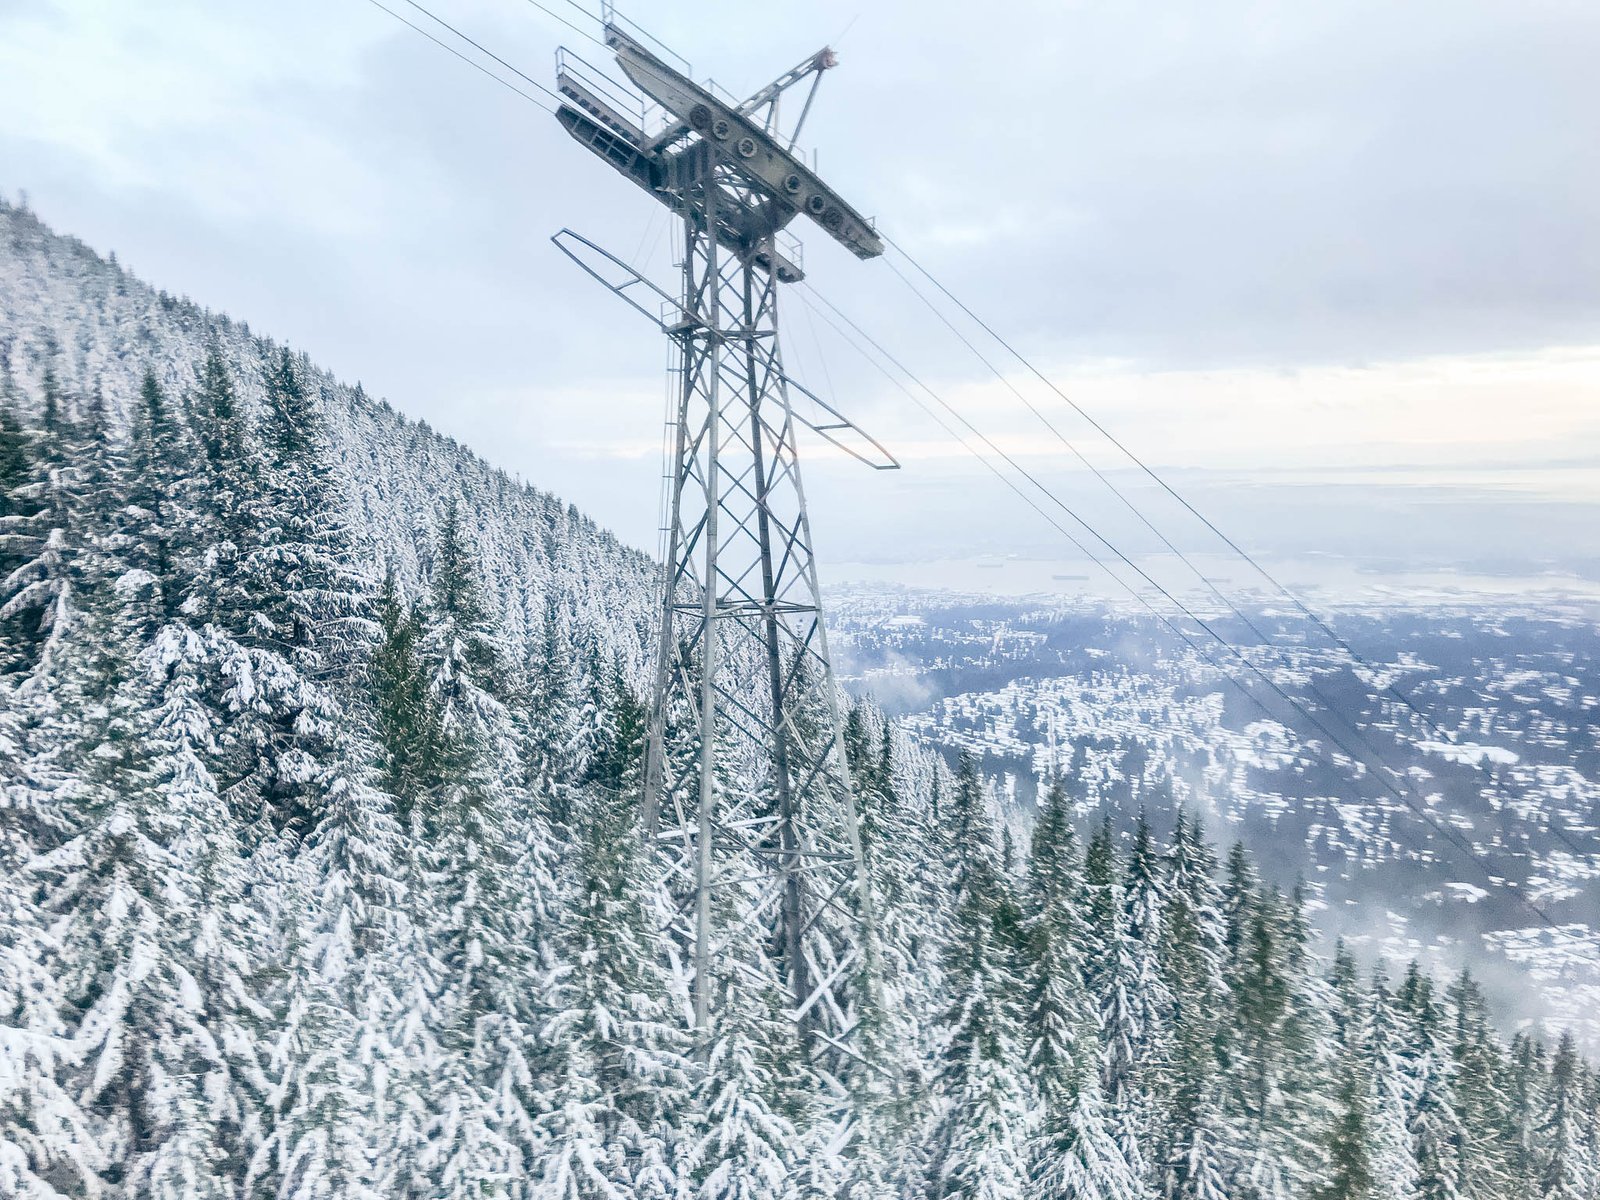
x: 1472, y: 753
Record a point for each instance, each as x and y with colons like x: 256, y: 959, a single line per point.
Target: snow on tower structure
x: 746, y: 783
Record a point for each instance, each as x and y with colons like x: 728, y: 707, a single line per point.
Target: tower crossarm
x: 748, y: 146
x: 615, y: 147
x: 655, y: 303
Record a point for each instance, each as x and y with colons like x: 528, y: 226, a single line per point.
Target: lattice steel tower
x: 746, y: 783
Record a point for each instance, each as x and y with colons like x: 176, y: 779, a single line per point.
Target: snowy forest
x: 320, y: 874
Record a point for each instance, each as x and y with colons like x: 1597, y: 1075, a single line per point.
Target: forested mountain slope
x: 100, y: 330
x: 320, y: 874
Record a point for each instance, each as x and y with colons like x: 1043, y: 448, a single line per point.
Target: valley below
x: 1479, y: 728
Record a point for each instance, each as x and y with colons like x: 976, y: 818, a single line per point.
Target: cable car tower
x: 746, y: 782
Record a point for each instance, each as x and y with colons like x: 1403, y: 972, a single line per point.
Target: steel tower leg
x: 712, y: 316
x: 788, y: 864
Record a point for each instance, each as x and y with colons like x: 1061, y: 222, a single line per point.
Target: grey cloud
x: 1174, y: 185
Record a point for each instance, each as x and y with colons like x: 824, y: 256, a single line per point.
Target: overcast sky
x: 1336, y: 267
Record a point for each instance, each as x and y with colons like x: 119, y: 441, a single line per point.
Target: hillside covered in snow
x: 320, y: 874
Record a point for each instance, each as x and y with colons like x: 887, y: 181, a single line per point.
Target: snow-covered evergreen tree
x: 981, y: 1147
x: 1481, y: 1073
x: 125, y: 901
x: 403, y: 711
x: 747, y: 1147
x: 1436, y: 1133
x: 1394, y: 1164
x: 1349, y: 1147
x: 1131, y: 1052
x: 1191, y: 950
x: 1567, y: 1170
x: 1153, y: 1002
x: 39, y: 535
x: 491, y: 895
x: 617, y: 1120
x: 1073, y: 1152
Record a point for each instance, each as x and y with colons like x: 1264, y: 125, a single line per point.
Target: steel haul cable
x: 477, y: 66
x: 482, y: 49
x: 555, y: 16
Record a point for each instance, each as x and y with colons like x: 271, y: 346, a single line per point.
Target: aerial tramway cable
x: 1116, y: 551
x: 482, y: 49
x: 473, y: 63
x: 555, y: 16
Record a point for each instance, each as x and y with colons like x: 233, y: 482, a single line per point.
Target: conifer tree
x: 748, y: 1148
x: 616, y: 1124
x: 1436, y: 1134
x: 16, y: 463
x: 338, y: 1063
x: 1238, y: 909
x: 1350, y: 1166
x: 46, y: 1138
x: 1191, y: 949
x: 1057, y: 1015
x: 402, y: 707
x: 128, y: 900
x: 228, y: 501
x: 1074, y: 1153
x: 1130, y: 1052
x: 552, y: 718
x: 491, y: 905
x: 980, y: 1147
x: 1262, y: 1001
x: 1567, y: 1171
x: 283, y: 631
x: 161, y: 517
x: 1349, y: 1174
x: 47, y: 1141
x: 70, y: 562
x: 1526, y: 1092
x: 1394, y: 1166
x: 14, y: 450
x: 292, y: 620
x: 890, y: 1088
x: 1280, y: 1053
x: 38, y: 536
x: 1480, y: 1102
x: 220, y: 422
x: 1591, y: 1122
